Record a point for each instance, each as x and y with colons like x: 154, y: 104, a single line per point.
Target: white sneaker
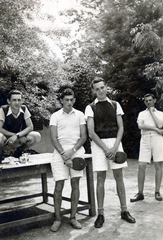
x: 56, y: 225
x: 75, y: 223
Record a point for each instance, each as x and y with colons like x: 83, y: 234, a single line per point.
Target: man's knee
x: 34, y: 137
x: 101, y: 176
x: 21, y: 141
x: 59, y: 186
x: 2, y: 139
x: 75, y: 182
x: 158, y: 166
x: 118, y: 175
x: 142, y: 166
x: 37, y: 137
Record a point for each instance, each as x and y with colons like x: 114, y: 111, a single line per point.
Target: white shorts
x: 60, y: 170
x: 100, y: 162
x: 151, y: 146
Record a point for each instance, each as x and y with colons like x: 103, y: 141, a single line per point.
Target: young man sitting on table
x: 16, y: 127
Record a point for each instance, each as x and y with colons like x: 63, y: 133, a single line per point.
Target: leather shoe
x: 99, y: 221
x: 137, y: 197
x: 158, y: 196
x: 127, y: 217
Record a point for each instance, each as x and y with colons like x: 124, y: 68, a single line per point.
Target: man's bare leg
x: 57, y: 205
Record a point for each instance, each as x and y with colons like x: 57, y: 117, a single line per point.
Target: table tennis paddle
x: 120, y: 157
x: 78, y: 163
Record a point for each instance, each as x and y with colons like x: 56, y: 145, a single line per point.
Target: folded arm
x: 4, y: 131
x: 12, y: 136
x: 158, y: 122
x: 146, y: 127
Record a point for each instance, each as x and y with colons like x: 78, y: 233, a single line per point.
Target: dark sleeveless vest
x: 105, y: 119
x: 11, y: 123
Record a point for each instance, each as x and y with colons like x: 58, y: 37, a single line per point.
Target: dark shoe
x: 30, y: 151
x: 18, y: 152
x: 3, y: 155
x: 127, y: 217
x: 99, y: 221
x: 137, y: 197
x: 158, y: 196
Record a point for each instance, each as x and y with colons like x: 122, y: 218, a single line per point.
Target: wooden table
x: 42, y: 167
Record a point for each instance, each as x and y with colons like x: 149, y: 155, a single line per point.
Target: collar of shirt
x: 155, y: 110
x: 106, y: 99
x: 10, y: 112
x: 62, y: 111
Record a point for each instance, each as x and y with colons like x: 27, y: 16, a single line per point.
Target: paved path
x: 148, y: 213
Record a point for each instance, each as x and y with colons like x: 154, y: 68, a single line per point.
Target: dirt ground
x: 148, y: 213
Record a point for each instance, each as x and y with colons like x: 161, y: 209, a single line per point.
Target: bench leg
x: 90, y: 187
x: 44, y: 187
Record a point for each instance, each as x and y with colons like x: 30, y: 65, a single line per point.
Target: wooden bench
x: 42, y: 167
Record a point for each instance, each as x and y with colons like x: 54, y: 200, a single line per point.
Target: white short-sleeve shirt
x: 26, y: 113
x: 89, y: 112
x: 148, y: 120
x: 68, y: 125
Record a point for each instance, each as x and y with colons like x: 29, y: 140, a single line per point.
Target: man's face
x: 100, y: 90
x: 149, y: 102
x: 15, y: 101
x: 68, y: 102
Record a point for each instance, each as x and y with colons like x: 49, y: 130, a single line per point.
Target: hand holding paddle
x: 76, y: 163
x: 69, y: 163
x: 120, y: 157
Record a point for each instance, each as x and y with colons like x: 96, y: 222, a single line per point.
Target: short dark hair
x: 13, y: 92
x: 97, y: 80
x: 149, y: 95
x: 67, y: 92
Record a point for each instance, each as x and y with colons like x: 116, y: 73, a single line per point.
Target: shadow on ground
x: 148, y: 213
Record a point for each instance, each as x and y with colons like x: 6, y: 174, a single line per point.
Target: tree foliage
x: 130, y: 52
x: 48, y: 44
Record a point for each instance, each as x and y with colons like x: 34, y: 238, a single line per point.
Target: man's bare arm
x: 29, y: 128
x: 54, y: 140
x: 83, y: 137
x: 143, y: 126
x: 120, y: 131
x: 114, y: 149
x: 4, y: 131
x: 79, y: 143
x: 12, y: 136
x: 56, y: 143
x: 66, y: 155
x: 94, y: 136
x: 158, y: 122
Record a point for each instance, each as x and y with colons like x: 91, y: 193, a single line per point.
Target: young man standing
x: 150, y: 121
x: 68, y: 134
x: 16, y: 128
x: 105, y: 128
